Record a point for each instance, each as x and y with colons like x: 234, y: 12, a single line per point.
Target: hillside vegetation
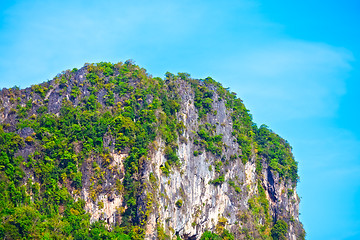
x: 70, y: 148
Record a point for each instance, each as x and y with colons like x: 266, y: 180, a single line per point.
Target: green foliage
x: 179, y: 203
x: 110, y: 98
x: 218, y: 165
x: 242, y: 125
x: 63, y: 81
x: 207, y: 235
x: 170, y: 155
x: 259, y: 204
x: 259, y: 207
x: 209, y: 140
x: 161, y: 233
x: 42, y: 109
x: 203, y: 99
x: 91, y: 102
x: 258, y: 168
x: 197, y: 153
x: 29, y: 139
x: 40, y: 89
x: 236, y: 187
x: 107, y: 68
x: 279, y: 231
x: 262, y: 199
x: 22, y: 112
x: 290, y: 192
x: 261, y: 140
x: 75, y: 92
x: 93, y: 78
x: 9, y: 165
x: 218, y: 181
x: 165, y: 168
x: 278, y: 153
x: 225, y: 235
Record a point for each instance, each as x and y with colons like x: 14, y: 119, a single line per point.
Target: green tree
x: 279, y: 231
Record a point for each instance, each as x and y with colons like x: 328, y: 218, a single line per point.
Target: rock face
x: 227, y: 175
x: 204, y: 203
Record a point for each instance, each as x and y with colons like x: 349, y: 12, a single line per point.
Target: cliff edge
x: 108, y: 151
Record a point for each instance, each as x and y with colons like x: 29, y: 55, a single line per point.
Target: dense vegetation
x: 117, y: 107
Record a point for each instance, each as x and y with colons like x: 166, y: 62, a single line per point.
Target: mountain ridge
x: 110, y: 151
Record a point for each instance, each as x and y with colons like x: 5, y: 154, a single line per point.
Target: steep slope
x: 108, y: 151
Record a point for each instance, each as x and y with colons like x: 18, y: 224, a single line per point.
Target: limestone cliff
x: 155, y: 158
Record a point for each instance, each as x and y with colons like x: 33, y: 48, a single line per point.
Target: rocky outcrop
x: 204, y: 191
x: 204, y: 205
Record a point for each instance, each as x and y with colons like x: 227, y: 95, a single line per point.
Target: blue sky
x: 295, y: 65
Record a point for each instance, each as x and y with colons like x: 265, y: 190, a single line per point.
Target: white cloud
x: 44, y: 37
x: 278, y: 77
x: 290, y: 79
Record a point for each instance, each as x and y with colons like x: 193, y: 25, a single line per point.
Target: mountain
x: 110, y: 152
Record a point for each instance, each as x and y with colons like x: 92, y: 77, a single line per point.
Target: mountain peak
x: 110, y: 151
